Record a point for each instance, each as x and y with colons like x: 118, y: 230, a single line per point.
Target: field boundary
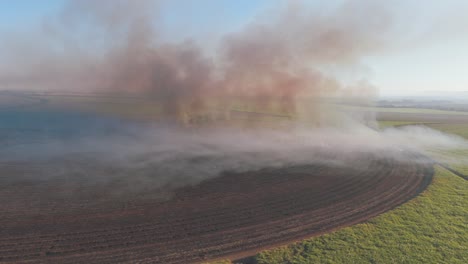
x: 455, y: 172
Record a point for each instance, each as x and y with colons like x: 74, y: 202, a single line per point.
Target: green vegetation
x: 461, y: 168
x: 402, y: 110
x: 387, y: 124
x: 457, y: 129
x: 457, y: 159
x: 430, y: 229
x: 433, y: 228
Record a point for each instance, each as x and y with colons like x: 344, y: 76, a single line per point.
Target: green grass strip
x: 433, y: 228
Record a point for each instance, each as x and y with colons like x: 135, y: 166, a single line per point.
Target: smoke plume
x: 114, y: 47
x: 281, y: 67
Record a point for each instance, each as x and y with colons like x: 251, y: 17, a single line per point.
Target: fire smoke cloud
x: 280, y: 65
x: 115, y: 47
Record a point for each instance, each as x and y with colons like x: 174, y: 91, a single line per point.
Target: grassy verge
x: 430, y: 229
x: 387, y: 124
x: 456, y: 159
x: 456, y: 129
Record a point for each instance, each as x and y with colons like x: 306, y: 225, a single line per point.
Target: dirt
x: 232, y: 216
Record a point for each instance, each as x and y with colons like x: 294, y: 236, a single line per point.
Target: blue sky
x: 437, y: 60
x: 24, y: 13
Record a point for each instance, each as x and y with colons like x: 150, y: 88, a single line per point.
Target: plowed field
x: 229, y: 216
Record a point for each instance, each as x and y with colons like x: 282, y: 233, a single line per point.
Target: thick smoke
x: 279, y: 66
x: 161, y: 158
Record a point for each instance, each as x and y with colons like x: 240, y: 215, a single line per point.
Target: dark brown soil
x: 233, y: 215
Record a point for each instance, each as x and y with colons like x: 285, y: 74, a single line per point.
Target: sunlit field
x: 428, y: 229
x: 244, y: 132
x: 432, y: 228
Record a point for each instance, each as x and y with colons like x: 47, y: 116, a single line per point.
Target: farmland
x: 214, y: 219
x: 232, y: 216
x: 429, y: 229
x: 242, y: 132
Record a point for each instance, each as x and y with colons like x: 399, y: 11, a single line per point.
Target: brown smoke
x: 270, y: 66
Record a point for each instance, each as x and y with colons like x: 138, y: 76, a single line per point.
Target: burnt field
x: 233, y: 215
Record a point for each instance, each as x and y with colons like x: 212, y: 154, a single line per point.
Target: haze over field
x: 291, y: 60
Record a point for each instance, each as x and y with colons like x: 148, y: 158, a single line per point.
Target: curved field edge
x: 429, y: 229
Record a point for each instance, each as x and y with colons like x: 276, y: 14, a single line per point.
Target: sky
x: 430, y: 51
